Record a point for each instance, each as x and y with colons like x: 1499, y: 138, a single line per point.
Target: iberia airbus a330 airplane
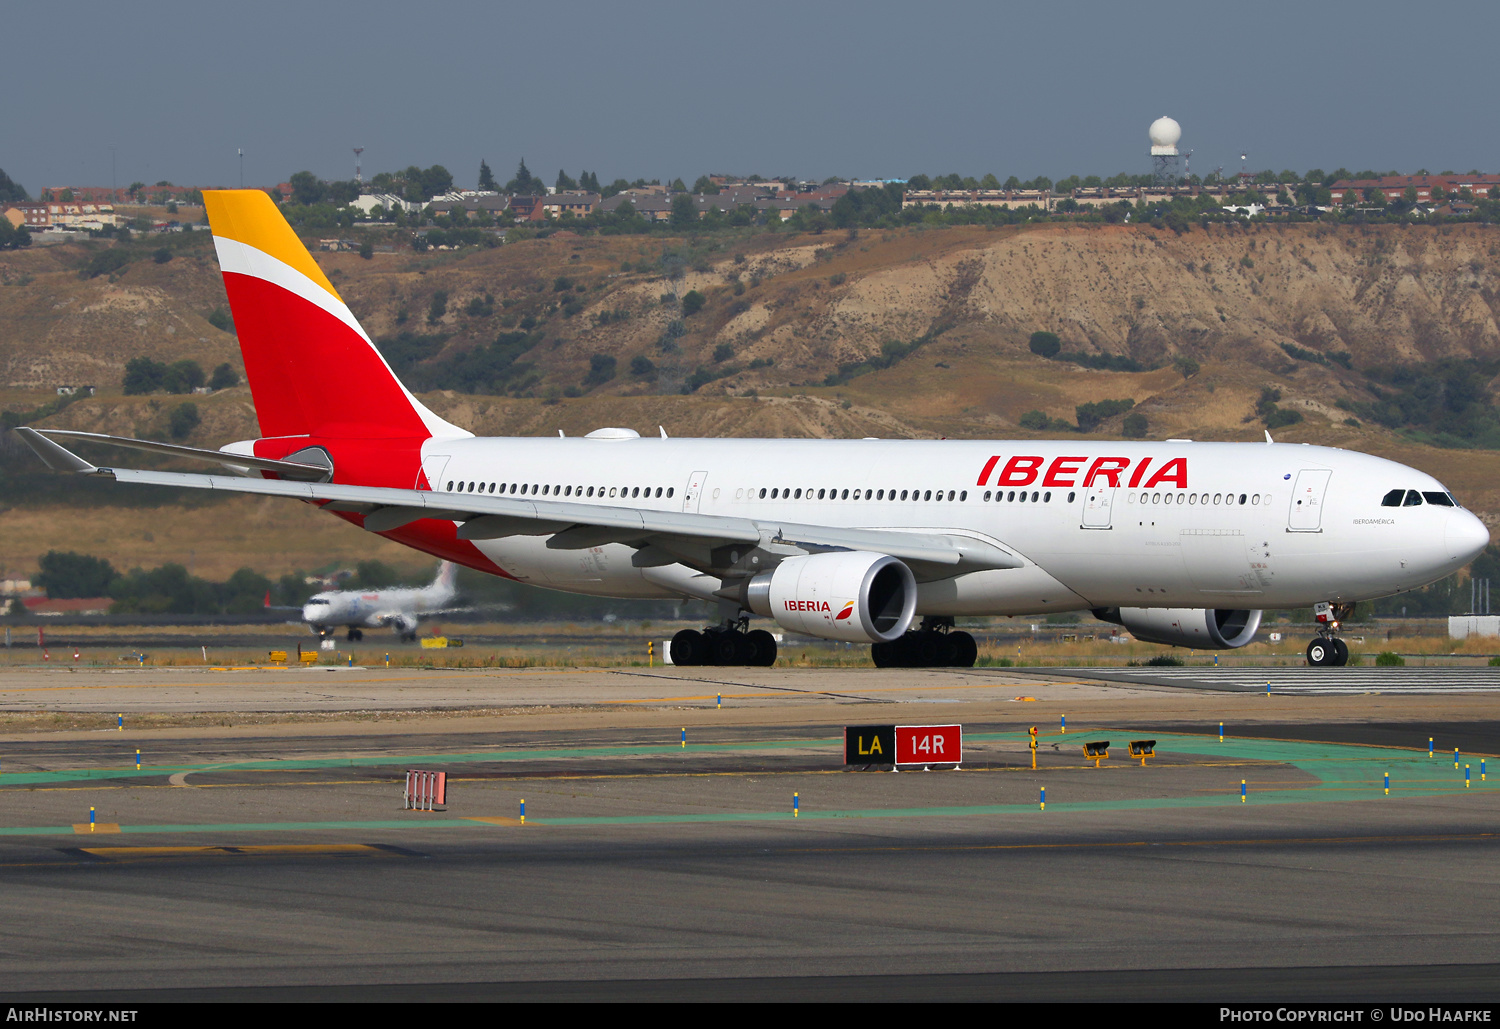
x: 869, y: 541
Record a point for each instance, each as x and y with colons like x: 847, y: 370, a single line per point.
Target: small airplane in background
x: 399, y: 608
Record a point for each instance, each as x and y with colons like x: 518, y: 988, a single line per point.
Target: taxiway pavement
x: 272, y: 859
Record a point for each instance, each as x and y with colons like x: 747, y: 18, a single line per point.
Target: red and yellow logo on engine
x: 845, y: 613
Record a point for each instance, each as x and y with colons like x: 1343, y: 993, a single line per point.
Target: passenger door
x: 432, y: 469
x: 1306, y: 512
x: 694, y: 491
x: 1097, y: 504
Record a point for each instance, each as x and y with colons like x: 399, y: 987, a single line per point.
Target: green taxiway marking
x: 478, y: 757
x: 1343, y: 772
x: 1261, y: 798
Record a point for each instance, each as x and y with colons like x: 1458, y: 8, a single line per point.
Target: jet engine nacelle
x: 1203, y: 628
x: 850, y: 596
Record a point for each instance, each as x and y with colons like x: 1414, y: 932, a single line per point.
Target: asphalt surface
x: 276, y: 863
x: 1450, y: 984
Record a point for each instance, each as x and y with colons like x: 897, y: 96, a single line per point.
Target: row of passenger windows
x: 1411, y: 498
x: 1392, y: 499
x: 1219, y: 499
x: 778, y: 493
x: 623, y: 492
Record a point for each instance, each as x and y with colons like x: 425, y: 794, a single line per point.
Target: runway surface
x: 273, y: 860
x: 1308, y: 681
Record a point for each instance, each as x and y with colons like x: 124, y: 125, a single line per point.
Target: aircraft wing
x: 661, y: 537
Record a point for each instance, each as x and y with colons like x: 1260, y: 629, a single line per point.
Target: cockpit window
x: 1413, y: 499
x: 318, y: 600
x: 1393, y: 498
x: 1440, y: 499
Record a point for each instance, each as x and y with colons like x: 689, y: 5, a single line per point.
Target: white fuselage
x: 400, y: 608
x: 1102, y: 524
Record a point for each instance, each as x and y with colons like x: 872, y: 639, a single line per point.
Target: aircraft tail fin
x: 311, y: 367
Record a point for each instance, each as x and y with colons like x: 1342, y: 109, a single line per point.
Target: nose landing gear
x: 1328, y: 650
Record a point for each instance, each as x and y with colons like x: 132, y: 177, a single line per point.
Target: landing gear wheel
x: 941, y: 650
x: 723, y: 648
x: 1320, y: 653
x: 927, y: 649
x: 745, y: 650
x: 688, y: 648
x: 965, y: 650
x: 765, y: 647
x: 354, y: 636
x: 1340, y: 652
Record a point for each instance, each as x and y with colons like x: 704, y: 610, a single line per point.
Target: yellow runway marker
x: 93, y: 830
x: 494, y: 820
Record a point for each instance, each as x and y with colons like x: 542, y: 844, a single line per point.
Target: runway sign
x: 869, y: 744
x: 929, y: 745
x: 424, y: 790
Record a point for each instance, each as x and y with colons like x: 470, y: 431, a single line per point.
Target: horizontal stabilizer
x: 58, y: 458
x: 296, y: 470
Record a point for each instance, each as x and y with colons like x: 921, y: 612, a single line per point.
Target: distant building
x: 526, y: 208
x: 1394, y: 187
x: 471, y: 204
x: 1008, y: 198
x: 576, y: 203
x: 42, y: 607
x: 65, y: 214
x: 367, y: 202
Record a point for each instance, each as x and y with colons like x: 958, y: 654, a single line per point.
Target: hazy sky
x: 659, y: 88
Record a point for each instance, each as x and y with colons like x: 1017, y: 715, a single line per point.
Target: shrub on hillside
x: 1045, y: 344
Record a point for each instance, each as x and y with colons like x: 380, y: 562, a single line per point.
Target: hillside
x: 1319, y: 313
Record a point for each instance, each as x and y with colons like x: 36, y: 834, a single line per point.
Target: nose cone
x: 1465, y: 536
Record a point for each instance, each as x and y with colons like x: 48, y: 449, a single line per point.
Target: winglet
x: 1268, y: 437
x: 663, y: 429
x: 55, y: 456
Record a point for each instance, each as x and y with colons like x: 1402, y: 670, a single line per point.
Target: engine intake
x: 850, y: 596
x: 1203, y: 628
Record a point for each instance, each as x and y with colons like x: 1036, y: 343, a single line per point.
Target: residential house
x: 577, y: 203
x: 1394, y: 187
x: 65, y: 214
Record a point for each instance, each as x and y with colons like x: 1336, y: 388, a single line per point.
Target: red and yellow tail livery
x: 312, y: 369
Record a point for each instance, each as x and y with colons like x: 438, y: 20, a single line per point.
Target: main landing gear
x: 732, y: 643
x: 1328, y: 650
x: 934, y: 645
x: 354, y: 635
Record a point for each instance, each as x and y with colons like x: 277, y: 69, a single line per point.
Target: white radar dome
x: 1165, y: 132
